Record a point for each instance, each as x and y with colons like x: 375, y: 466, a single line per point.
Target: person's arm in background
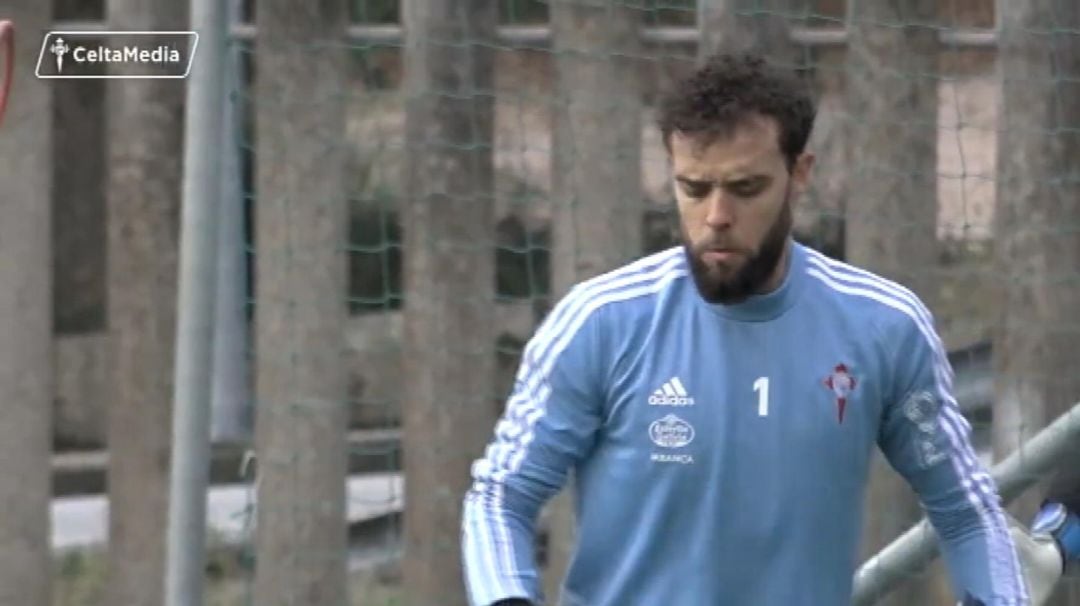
x: 928, y: 441
x: 549, y: 424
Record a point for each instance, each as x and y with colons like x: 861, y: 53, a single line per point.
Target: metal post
x: 231, y: 389
x: 1018, y: 472
x: 195, y: 311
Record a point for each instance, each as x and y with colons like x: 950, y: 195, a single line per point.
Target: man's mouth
x: 719, y: 255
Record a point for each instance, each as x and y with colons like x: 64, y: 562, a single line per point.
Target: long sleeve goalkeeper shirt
x: 719, y: 454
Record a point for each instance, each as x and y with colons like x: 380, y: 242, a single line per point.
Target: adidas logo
x: 671, y: 393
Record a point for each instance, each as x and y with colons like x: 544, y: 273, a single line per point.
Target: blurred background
x: 405, y: 188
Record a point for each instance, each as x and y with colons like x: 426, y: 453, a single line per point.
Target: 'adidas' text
x: 671, y: 393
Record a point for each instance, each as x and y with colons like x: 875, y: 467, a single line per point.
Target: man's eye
x: 746, y: 190
x: 696, y: 191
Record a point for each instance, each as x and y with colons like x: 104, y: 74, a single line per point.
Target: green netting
x: 909, y: 181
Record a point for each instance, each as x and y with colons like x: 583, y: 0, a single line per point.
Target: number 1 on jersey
x: 761, y: 386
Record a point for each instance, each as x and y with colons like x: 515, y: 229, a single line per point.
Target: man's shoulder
x: 608, y: 303
x: 867, y: 295
x: 632, y: 282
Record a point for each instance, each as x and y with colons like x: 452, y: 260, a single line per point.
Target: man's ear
x: 801, y: 172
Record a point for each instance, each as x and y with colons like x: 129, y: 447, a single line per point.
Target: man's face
x: 735, y: 197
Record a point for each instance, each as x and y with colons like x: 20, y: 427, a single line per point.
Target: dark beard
x: 752, y: 276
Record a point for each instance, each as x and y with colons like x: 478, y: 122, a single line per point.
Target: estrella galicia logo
x: 671, y: 432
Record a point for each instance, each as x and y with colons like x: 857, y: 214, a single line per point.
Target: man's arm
x: 548, y: 426
x: 928, y: 441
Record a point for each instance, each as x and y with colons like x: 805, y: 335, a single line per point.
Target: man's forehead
x: 718, y: 162
x: 751, y: 147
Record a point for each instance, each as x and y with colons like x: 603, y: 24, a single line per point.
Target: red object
x: 841, y: 383
x: 7, y: 55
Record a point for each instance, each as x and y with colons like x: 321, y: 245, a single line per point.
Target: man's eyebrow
x: 694, y: 183
x: 691, y: 181
x: 741, y: 180
x: 746, y: 180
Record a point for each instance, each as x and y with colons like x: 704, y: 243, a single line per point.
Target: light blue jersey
x: 720, y: 453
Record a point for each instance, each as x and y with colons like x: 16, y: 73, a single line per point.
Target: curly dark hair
x: 729, y: 88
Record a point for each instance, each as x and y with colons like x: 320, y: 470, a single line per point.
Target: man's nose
x: 719, y: 215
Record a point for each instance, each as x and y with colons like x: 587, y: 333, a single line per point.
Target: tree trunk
x: 819, y: 216
x: 761, y: 26
x: 1037, y: 344
x: 596, y: 175
x: 79, y: 236
x: 892, y: 96
x: 145, y: 131
x: 449, y: 274
x: 79, y: 172
x: 26, y: 345
x: 300, y: 305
